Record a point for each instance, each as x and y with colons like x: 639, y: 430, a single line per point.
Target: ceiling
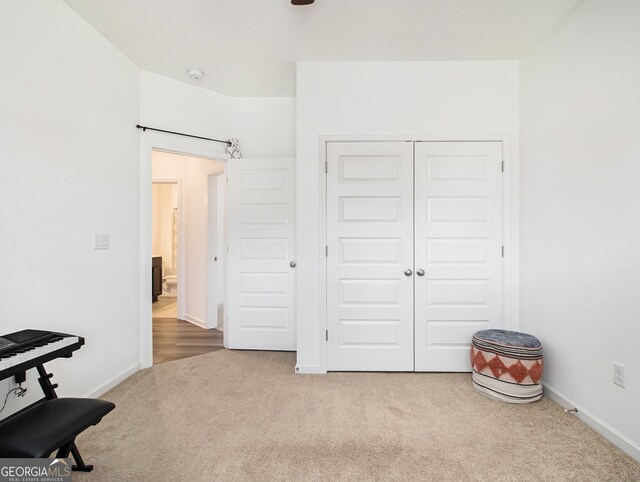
x: 249, y: 47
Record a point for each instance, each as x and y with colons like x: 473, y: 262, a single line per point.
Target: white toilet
x: 170, y: 285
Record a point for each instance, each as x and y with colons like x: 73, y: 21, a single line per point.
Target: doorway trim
x: 510, y: 221
x: 216, y: 173
x: 150, y: 141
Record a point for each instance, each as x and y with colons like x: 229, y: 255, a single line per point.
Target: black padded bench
x: 40, y: 429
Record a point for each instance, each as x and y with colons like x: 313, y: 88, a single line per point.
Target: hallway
x: 174, y: 339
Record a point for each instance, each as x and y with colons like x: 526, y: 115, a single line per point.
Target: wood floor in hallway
x: 174, y: 339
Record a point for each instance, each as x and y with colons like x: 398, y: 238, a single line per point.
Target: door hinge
x: 326, y: 335
x: 502, y: 166
x: 326, y: 251
x: 503, y: 251
x: 326, y: 166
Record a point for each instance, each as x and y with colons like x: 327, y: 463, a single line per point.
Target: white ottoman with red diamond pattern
x: 507, y: 365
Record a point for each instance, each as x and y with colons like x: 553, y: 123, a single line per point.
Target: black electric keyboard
x: 27, y: 349
x: 51, y: 423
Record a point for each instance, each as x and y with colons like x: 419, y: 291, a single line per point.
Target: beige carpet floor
x: 232, y: 415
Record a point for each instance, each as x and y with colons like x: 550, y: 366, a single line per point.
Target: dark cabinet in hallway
x: 156, y: 277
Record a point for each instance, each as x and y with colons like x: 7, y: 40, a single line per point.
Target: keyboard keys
x: 25, y: 354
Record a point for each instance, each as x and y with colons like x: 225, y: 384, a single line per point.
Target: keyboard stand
x: 49, y: 390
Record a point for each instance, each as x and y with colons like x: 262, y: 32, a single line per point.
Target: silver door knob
x: 292, y: 264
x: 420, y: 272
x: 408, y: 272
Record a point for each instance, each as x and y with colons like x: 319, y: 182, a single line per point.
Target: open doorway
x: 185, y: 213
x: 166, y: 240
x: 258, y: 248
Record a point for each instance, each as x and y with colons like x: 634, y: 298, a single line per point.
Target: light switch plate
x: 100, y: 241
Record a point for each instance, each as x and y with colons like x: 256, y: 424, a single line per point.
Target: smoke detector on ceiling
x: 195, y: 74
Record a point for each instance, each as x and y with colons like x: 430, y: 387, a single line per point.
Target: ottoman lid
x: 508, y: 338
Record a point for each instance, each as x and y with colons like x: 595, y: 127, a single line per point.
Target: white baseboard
x: 105, y: 387
x: 313, y: 369
x: 195, y: 321
x: 603, y: 428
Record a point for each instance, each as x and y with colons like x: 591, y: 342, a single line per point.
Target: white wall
x: 178, y: 106
x: 70, y: 158
x: 435, y: 99
x: 265, y: 126
x: 193, y: 173
x: 580, y: 217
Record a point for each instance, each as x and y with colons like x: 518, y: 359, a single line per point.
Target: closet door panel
x: 458, y: 245
x: 370, y: 245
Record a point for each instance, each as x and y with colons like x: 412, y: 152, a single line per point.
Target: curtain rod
x: 144, y: 128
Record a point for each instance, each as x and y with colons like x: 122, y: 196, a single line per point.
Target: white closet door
x: 458, y: 244
x: 261, y: 240
x: 370, y: 245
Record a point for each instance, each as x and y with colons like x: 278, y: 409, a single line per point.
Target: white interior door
x: 370, y: 245
x: 261, y: 246
x: 458, y: 245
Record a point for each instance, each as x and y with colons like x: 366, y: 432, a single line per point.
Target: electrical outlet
x: 618, y: 374
x: 100, y: 241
